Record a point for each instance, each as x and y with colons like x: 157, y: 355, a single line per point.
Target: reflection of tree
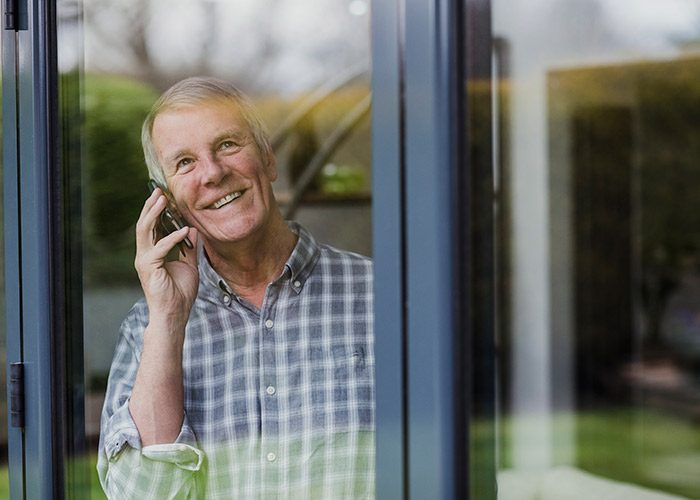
x: 661, y: 102
x: 123, y: 33
x: 303, y: 149
x: 127, y: 34
x: 602, y: 237
x: 262, y: 45
x: 669, y: 101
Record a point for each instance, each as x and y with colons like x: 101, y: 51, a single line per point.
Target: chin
x: 232, y: 234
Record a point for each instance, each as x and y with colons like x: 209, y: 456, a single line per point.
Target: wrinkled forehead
x: 194, y: 107
x: 185, y: 129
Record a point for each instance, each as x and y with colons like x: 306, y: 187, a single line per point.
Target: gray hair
x: 193, y: 91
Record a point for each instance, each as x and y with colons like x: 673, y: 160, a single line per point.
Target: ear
x: 271, y: 166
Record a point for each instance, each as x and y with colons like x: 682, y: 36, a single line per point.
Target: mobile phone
x: 170, y: 219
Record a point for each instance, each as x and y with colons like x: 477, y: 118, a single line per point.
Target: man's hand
x: 156, y: 402
x: 170, y: 287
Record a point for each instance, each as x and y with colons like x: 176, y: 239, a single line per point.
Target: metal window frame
x: 432, y: 103
x: 11, y: 229
x: 388, y: 248
x: 34, y: 124
x: 425, y: 205
x: 35, y: 249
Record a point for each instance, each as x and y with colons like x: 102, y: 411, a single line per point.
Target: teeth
x: 227, y: 199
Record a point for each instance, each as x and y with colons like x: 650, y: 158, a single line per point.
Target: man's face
x: 215, y: 171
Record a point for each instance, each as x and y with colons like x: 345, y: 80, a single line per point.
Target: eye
x: 183, y: 163
x: 229, y: 145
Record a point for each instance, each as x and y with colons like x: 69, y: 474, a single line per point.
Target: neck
x: 249, y: 266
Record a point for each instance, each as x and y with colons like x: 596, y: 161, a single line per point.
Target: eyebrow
x: 179, y: 154
x: 229, y: 134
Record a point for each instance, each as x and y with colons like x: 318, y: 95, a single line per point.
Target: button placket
x: 271, y: 424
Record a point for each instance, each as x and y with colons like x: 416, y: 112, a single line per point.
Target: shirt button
x: 269, y: 323
x: 297, y: 284
x: 270, y: 390
x: 226, y: 299
x: 271, y: 457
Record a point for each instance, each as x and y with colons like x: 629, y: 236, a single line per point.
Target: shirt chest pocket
x: 348, y: 362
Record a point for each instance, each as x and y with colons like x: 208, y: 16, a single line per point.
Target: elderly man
x: 247, y: 369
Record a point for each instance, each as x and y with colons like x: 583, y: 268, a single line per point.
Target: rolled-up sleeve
x: 125, y: 468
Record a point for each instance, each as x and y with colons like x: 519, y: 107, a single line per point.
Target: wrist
x: 171, y: 323
x: 165, y: 333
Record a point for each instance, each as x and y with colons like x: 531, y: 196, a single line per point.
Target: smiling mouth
x: 227, y: 199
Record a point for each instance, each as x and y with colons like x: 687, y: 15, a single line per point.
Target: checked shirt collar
x: 297, y: 269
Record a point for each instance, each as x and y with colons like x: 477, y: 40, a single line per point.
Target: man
x: 247, y: 369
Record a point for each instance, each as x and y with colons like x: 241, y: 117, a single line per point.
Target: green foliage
x: 114, y: 174
x: 342, y: 179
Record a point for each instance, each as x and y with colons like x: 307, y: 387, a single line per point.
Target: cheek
x: 182, y: 192
x: 253, y: 165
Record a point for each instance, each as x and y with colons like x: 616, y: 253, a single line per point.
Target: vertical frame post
x: 434, y: 94
x: 388, y: 251
x: 12, y: 245
x: 37, y: 101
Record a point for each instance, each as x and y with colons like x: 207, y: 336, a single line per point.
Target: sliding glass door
x: 593, y: 142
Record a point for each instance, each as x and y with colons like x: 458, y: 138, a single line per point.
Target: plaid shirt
x: 279, y: 402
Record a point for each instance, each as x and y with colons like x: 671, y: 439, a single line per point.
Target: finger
x: 150, y: 201
x: 164, y: 246
x: 190, y: 254
x: 147, y: 222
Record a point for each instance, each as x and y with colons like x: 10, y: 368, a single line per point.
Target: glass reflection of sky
x: 571, y: 32
x: 269, y: 45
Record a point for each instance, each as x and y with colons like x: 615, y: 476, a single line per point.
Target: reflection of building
x: 624, y: 143
x: 601, y: 178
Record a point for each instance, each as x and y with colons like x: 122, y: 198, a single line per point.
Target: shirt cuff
x: 182, y: 455
x: 123, y: 431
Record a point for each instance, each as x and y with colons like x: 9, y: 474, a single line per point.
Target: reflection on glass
x: 598, y: 248
x: 307, y: 75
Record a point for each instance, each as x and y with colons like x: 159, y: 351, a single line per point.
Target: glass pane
x: 4, y: 472
x: 308, y: 77
x: 598, y: 343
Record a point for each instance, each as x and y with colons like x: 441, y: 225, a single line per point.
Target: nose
x: 212, y: 172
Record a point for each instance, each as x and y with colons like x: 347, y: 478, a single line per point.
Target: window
x: 594, y: 182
